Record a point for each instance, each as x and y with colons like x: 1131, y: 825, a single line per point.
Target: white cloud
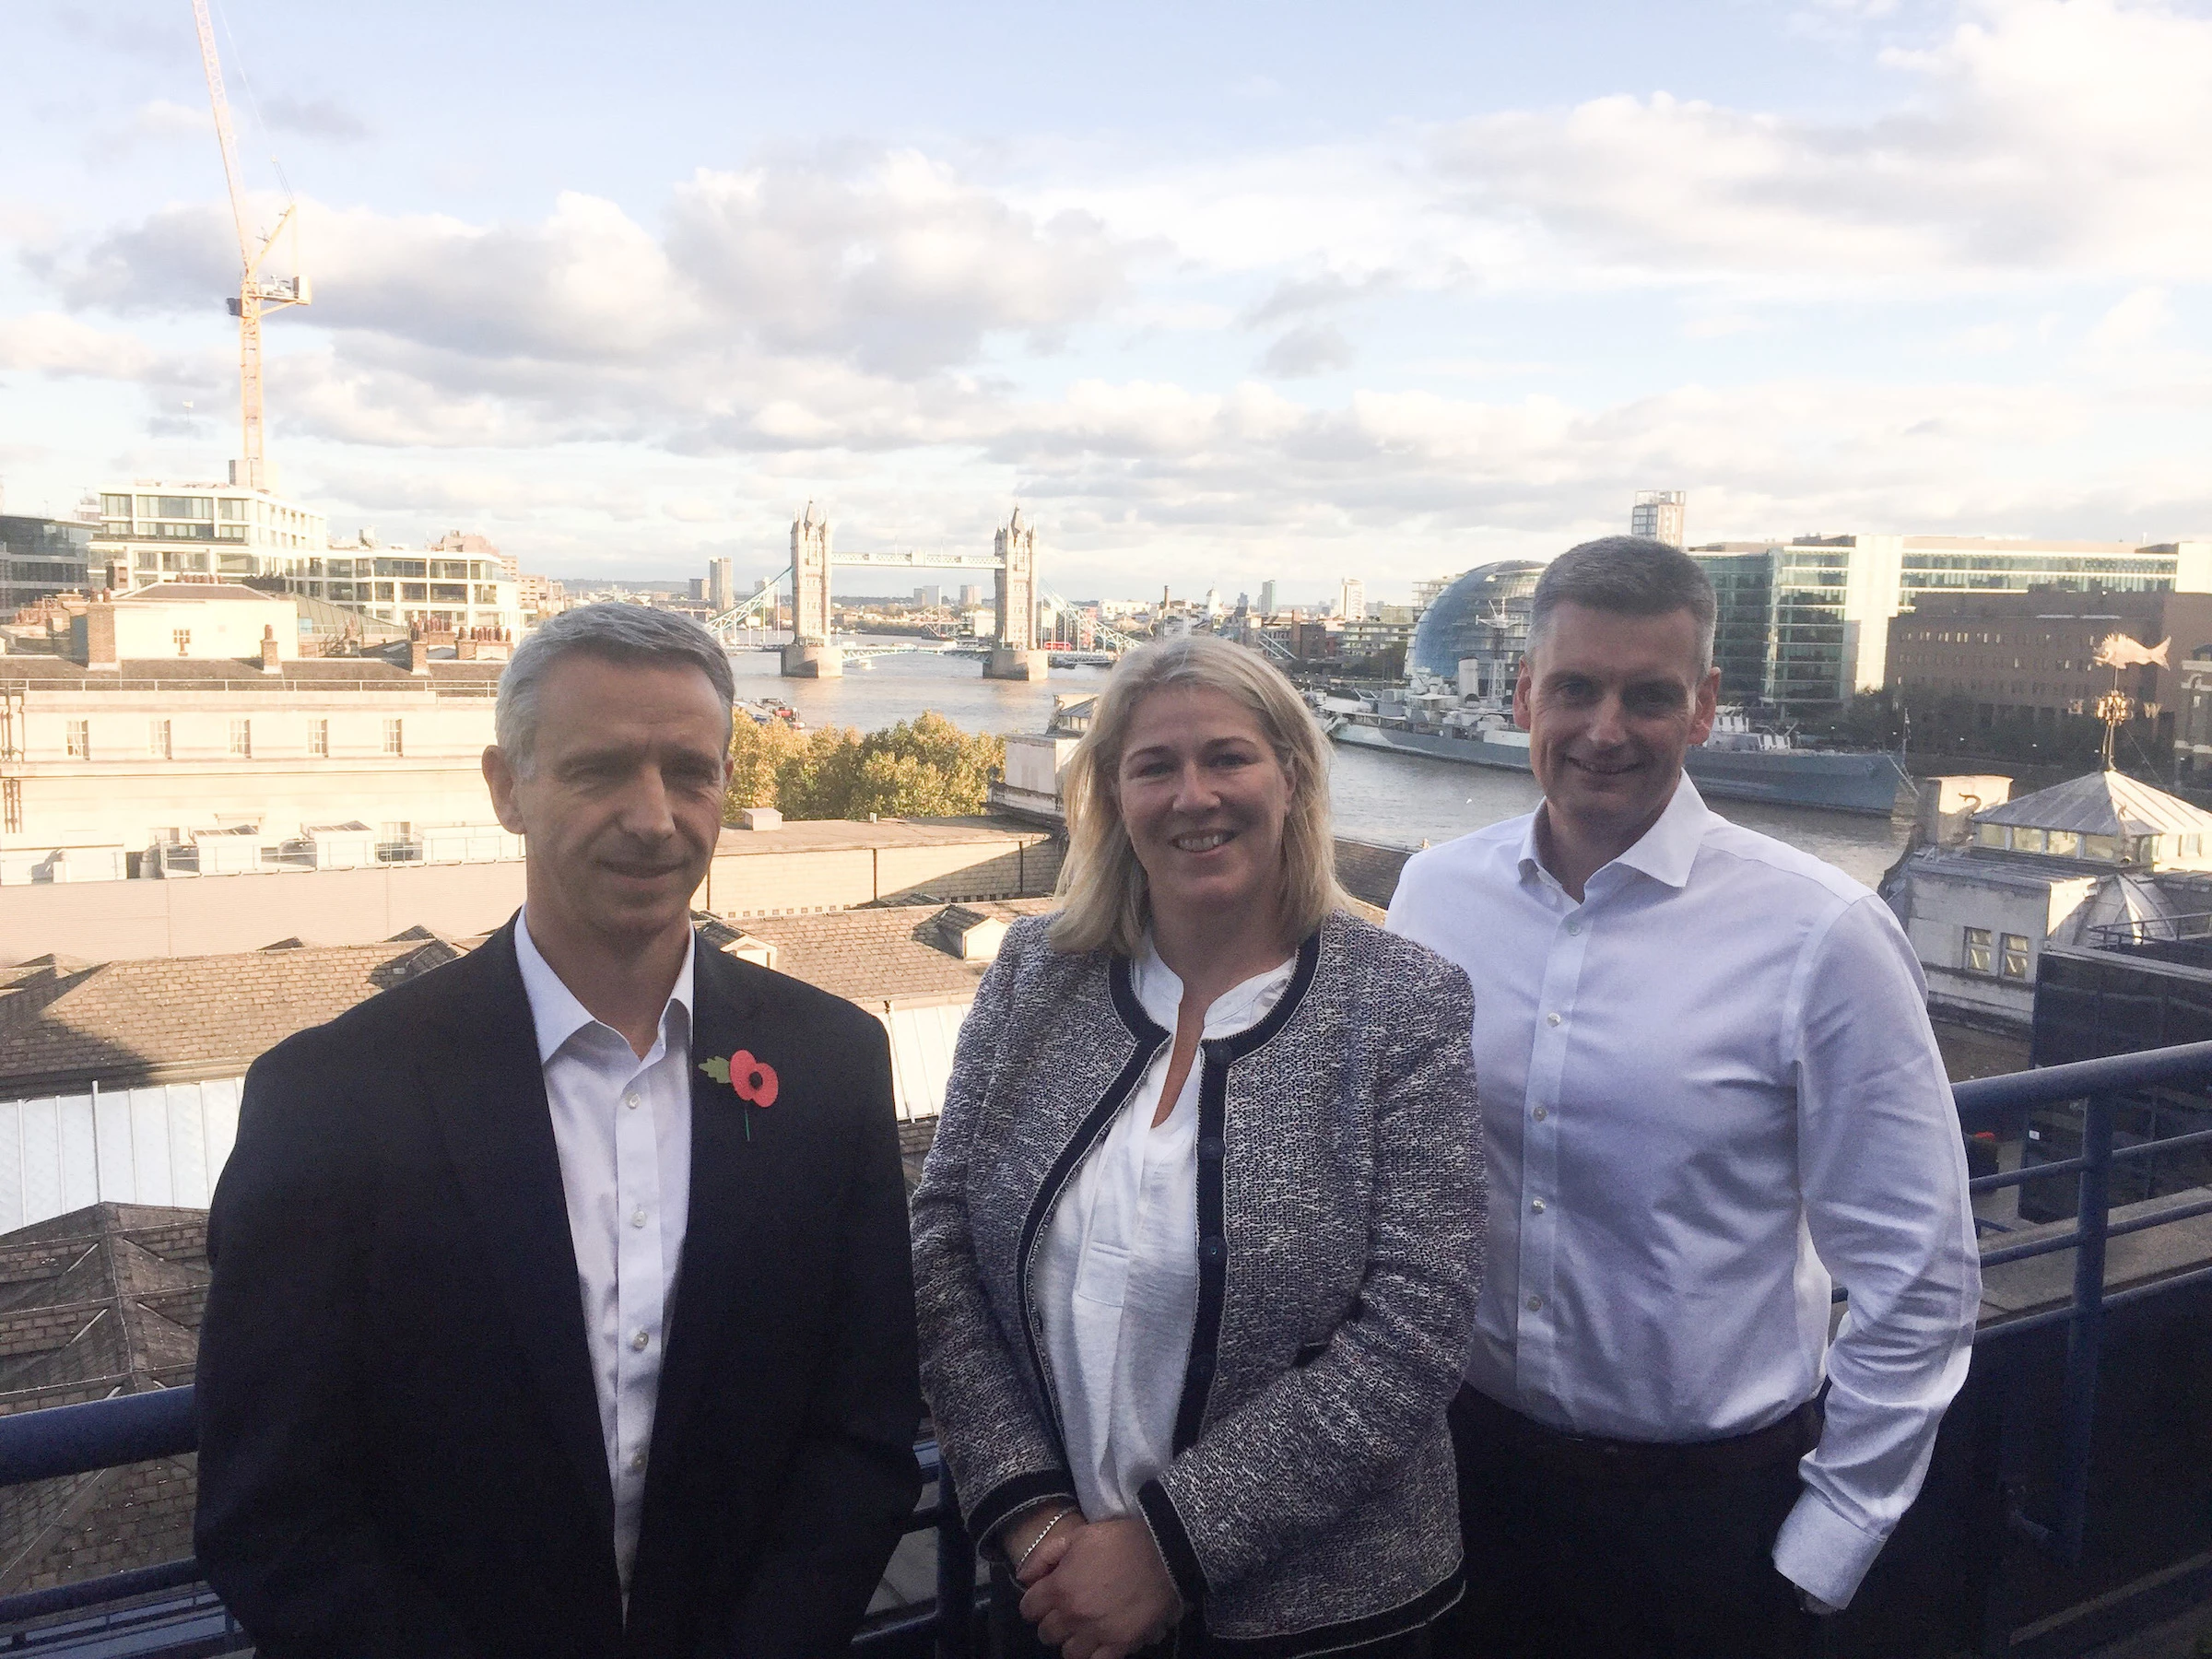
x: 1309, y: 350
x: 875, y: 321
x: 2134, y: 321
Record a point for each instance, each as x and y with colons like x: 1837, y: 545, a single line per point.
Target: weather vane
x: 2116, y: 651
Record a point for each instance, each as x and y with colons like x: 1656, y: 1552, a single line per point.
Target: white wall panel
x: 149, y: 1147
x: 160, y: 1145
x: 922, y: 1047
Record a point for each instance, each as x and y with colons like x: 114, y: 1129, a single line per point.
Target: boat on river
x: 1740, y: 761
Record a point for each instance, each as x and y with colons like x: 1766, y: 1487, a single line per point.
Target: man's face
x: 1611, y: 704
x: 623, y: 804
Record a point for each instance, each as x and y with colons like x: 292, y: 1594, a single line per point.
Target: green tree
x: 927, y: 767
x: 757, y: 755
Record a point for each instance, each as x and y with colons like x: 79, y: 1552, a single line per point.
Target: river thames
x: 1401, y: 799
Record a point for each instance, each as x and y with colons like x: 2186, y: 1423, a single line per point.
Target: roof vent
x: 969, y: 934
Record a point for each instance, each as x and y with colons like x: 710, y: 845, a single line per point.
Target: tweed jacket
x: 1311, y: 1505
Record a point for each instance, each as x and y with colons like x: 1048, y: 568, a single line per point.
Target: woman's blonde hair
x: 1105, y: 898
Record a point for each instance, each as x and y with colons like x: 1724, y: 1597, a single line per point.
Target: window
x: 115, y: 506
x: 231, y: 508
x: 1990, y: 835
x: 182, y: 637
x: 2066, y: 844
x: 415, y: 591
x: 79, y: 738
x: 241, y: 738
x: 394, y: 742
x: 1977, y: 950
x: 157, y: 739
x: 2014, y: 962
x: 11, y: 805
x: 2025, y: 840
x: 318, y: 737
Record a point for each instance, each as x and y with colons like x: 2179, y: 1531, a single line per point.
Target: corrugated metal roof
x: 2107, y: 803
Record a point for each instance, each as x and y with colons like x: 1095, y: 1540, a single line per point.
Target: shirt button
x: 1537, y: 1205
x: 632, y: 1100
x: 637, y: 1463
x: 639, y: 1340
x: 637, y: 1217
x: 1535, y: 1304
x: 1574, y: 927
x: 1551, y: 1019
x: 1538, y: 1115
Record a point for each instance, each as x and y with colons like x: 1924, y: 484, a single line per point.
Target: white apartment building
x: 154, y: 529
x: 164, y: 765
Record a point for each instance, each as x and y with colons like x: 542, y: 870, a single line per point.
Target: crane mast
x: 255, y: 291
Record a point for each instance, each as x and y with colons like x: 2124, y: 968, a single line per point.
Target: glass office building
x: 1481, y: 617
x: 40, y: 557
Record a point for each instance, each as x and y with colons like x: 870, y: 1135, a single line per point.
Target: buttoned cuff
x: 1818, y: 1550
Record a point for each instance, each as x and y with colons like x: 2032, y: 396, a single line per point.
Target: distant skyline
x: 1215, y: 294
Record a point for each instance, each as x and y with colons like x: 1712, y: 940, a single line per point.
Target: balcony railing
x: 167, y: 1610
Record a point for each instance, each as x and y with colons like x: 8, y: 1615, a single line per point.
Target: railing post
x: 955, y: 1575
x: 2085, y: 1335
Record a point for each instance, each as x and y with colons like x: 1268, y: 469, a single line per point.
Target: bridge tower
x: 810, y: 655
x: 1016, y: 656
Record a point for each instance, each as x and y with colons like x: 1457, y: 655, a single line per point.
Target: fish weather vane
x: 2116, y: 651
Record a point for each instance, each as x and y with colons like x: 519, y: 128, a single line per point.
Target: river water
x: 1403, y: 799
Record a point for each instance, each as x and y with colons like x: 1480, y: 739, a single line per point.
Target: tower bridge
x: 814, y: 654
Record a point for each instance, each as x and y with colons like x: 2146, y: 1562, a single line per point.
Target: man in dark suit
x: 561, y: 1302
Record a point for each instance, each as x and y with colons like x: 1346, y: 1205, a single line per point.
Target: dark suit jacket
x: 400, y: 1448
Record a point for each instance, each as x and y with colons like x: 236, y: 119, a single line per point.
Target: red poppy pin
x: 754, y: 1081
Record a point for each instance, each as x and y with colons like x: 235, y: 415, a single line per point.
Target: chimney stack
x: 269, y: 663
x: 418, y: 656
x: 99, y: 635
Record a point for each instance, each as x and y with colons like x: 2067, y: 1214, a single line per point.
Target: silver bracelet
x: 1037, y: 1543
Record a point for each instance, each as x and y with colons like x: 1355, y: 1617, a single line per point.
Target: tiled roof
x: 2102, y: 803
x: 183, y: 1017
x: 875, y: 955
x: 100, y: 1302
x: 1370, y: 870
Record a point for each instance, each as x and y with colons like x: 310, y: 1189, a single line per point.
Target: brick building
x: 2028, y: 659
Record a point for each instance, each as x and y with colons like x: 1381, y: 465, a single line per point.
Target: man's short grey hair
x: 614, y: 633
x: 1627, y: 576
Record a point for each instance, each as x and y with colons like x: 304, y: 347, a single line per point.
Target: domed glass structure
x: 1484, y: 614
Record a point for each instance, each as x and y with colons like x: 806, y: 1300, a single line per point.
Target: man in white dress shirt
x: 1710, y: 1089
x: 561, y: 1305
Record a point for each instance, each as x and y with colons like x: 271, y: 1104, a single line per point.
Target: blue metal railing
x: 72, y: 1439
x: 105, y: 1434
x: 2000, y: 1103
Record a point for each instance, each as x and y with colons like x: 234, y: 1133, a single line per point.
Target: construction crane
x: 255, y: 291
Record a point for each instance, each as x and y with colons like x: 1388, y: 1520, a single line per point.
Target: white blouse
x: 1117, y: 1283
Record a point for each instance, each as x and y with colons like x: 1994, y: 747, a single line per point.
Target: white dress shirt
x: 1117, y: 1283
x: 1708, y: 1086
x: 623, y: 1129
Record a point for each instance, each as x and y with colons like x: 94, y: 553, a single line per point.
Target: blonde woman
x: 1198, y: 1243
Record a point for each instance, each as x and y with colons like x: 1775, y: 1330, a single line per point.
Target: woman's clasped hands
x: 1094, y: 1590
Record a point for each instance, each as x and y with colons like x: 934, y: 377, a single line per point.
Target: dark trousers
x: 1558, y: 1569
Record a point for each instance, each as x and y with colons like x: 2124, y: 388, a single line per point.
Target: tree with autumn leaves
x: 926, y: 768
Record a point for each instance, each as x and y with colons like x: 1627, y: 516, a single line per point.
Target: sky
x: 1214, y: 293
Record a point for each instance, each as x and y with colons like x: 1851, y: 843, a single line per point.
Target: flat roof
x: 833, y: 835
